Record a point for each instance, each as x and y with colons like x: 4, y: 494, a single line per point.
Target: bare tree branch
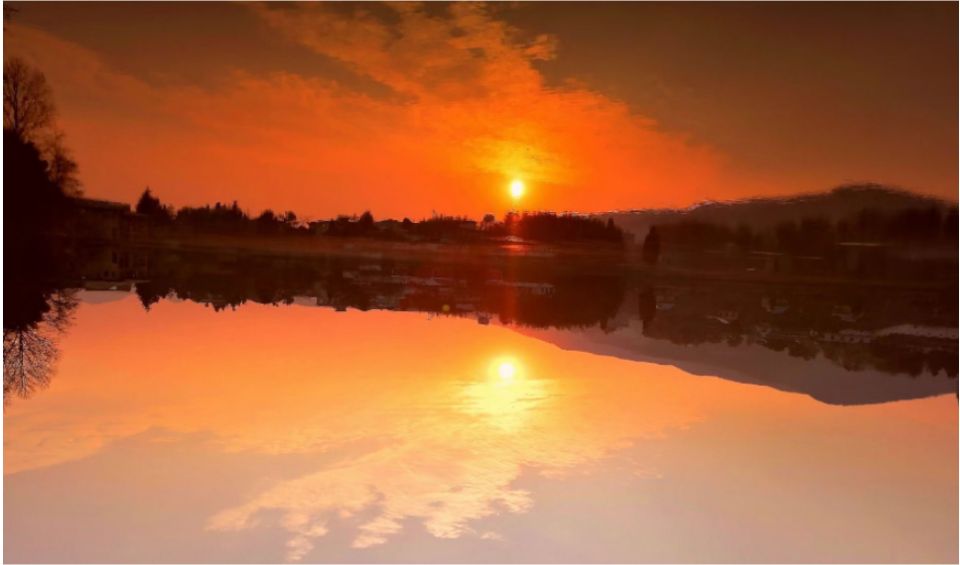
x: 27, y: 100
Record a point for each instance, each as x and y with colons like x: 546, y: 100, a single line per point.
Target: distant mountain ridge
x: 763, y: 212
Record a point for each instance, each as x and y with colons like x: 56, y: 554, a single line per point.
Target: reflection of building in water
x: 111, y: 262
x: 775, y: 306
x: 847, y: 313
x: 726, y: 316
x: 846, y: 336
x: 863, y: 258
x: 666, y: 300
x: 104, y: 285
x: 912, y: 330
x: 769, y: 261
x: 536, y: 288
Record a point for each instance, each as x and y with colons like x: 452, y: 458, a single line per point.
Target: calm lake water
x: 296, y: 433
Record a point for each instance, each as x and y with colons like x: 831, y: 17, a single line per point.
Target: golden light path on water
x: 396, y: 423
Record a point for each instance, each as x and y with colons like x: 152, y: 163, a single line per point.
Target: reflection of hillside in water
x: 897, y: 331
x: 853, y: 329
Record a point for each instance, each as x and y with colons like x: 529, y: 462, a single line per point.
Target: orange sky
x: 405, y: 109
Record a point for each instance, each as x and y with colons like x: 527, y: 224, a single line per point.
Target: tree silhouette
x: 550, y: 227
x: 62, y: 168
x: 365, y: 223
x: 28, y: 360
x: 150, y: 206
x: 33, y: 202
x: 289, y: 217
x: 267, y: 219
x: 150, y: 292
x: 27, y: 99
x: 30, y: 330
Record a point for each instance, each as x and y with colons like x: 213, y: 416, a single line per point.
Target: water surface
x: 294, y: 433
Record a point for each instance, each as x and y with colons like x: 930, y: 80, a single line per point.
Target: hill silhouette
x: 766, y: 212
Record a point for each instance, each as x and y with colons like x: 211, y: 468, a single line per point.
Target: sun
x: 507, y: 370
x: 517, y: 188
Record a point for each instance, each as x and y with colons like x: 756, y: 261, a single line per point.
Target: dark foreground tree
x: 33, y: 204
x: 62, y: 169
x: 27, y: 99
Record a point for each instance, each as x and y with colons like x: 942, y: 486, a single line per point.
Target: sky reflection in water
x: 298, y: 433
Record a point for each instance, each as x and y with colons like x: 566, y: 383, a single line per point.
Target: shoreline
x: 580, y: 257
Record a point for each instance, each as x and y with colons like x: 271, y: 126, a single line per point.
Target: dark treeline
x: 534, y: 226
x: 817, y: 235
x: 218, y: 218
x: 562, y: 227
x: 232, y: 219
x: 917, y: 243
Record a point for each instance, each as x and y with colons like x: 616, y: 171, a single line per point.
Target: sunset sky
x: 405, y: 109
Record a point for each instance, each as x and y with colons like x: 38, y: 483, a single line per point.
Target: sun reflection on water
x: 507, y: 397
x: 507, y: 371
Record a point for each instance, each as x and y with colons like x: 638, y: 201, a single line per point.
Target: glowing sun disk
x: 517, y: 188
x: 507, y: 370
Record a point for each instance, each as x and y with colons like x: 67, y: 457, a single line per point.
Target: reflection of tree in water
x: 31, y: 328
x: 530, y: 295
x: 28, y: 359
